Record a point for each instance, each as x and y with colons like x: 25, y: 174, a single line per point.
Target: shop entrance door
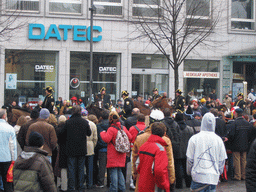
x: 143, y: 84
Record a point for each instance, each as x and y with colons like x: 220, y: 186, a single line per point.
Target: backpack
x: 140, y: 131
x: 122, y: 143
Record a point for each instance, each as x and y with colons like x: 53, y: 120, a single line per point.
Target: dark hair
x: 76, y: 110
x: 214, y: 111
x: 167, y: 112
x: 158, y: 128
x: 105, y: 114
x: 34, y: 114
x: 254, y: 115
x: 141, y: 117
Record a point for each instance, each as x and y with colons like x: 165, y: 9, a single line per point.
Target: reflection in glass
x: 106, y: 69
x: 149, y: 61
x: 35, y: 70
x: 201, y: 65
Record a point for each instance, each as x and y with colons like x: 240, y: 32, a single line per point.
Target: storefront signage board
x: 192, y: 74
x: 107, y: 69
x: 80, y: 32
x: 44, y: 68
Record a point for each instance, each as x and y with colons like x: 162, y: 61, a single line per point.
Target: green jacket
x: 32, y: 172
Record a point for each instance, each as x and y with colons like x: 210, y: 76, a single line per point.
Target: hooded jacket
x: 114, y: 158
x: 140, y: 140
x: 33, y: 172
x: 153, y: 153
x: 206, y: 153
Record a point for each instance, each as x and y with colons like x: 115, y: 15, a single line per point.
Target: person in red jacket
x: 153, y: 161
x: 134, y: 132
x: 141, y: 126
x: 115, y: 159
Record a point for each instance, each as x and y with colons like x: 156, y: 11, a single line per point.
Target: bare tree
x: 177, y: 27
x: 11, y: 20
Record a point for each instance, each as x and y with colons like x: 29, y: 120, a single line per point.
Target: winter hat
x: 44, y: 113
x: 239, y: 111
x: 35, y: 139
x: 189, y: 113
x: 156, y: 116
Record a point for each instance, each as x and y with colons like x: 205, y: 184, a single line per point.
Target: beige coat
x: 140, y: 140
x: 92, y: 140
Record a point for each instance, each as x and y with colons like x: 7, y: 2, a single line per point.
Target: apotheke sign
x: 80, y: 32
x: 210, y: 75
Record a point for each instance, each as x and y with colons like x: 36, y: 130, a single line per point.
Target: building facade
x: 51, y: 47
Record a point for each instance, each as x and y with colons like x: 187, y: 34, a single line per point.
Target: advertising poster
x: 237, y: 88
x: 11, y: 80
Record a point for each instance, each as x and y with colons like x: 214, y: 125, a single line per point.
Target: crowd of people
x: 194, y: 142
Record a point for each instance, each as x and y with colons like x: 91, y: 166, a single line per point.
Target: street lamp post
x: 91, y: 52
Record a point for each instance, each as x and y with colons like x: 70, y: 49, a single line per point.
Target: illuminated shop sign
x: 191, y: 74
x: 44, y: 68
x: 80, y: 32
x: 107, y: 69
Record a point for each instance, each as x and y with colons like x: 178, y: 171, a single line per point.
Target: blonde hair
x: 22, y: 120
x: 52, y: 120
x: 93, y: 118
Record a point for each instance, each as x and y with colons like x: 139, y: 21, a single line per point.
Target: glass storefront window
x: 27, y: 73
x: 201, y: 65
x: 106, y: 73
x: 199, y: 87
x: 144, y: 84
x: 149, y: 61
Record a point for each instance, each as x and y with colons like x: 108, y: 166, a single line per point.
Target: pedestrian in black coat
x: 250, y: 180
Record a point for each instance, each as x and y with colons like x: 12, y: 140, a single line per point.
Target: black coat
x: 102, y: 126
x: 128, y: 107
x: 238, y: 135
x: 48, y: 103
x: 221, y: 128
x: 195, y: 124
x: 106, y: 100
x: 75, y: 130
x: 185, y: 133
x: 62, y: 146
x: 250, y: 169
x: 173, y: 132
x: 130, y: 121
x: 179, y: 103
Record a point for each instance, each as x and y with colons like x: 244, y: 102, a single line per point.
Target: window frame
x: 253, y: 20
x: 49, y: 13
x: 100, y: 3
x: 18, y: 11
x: 198, y: 17
x: 148, y: 6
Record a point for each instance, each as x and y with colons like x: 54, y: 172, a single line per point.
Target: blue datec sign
x: 80, y: 32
